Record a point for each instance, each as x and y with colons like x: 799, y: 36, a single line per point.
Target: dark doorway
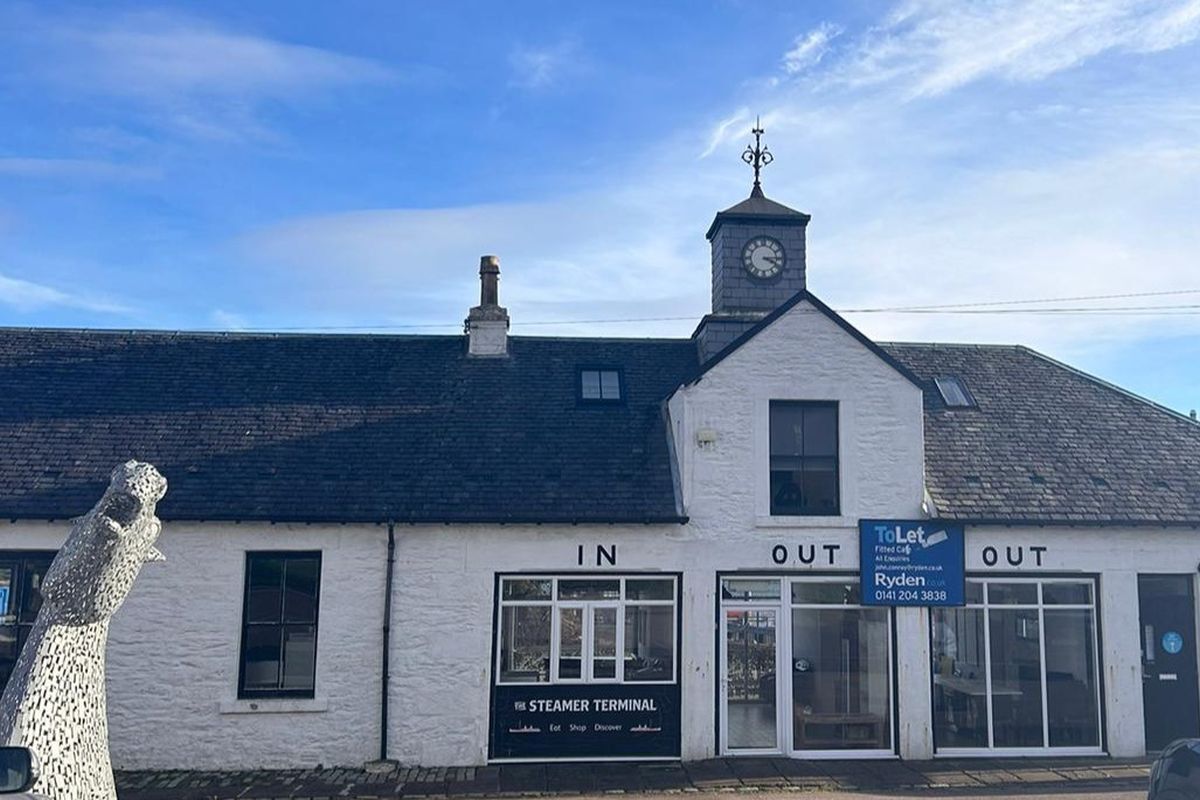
x: 1169, y: 680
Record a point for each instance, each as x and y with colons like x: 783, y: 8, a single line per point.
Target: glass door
x: 585, y: 643
x: 750, y: 656
x: 841, y: 670
x: 568, y: 661
x: 604, y: 643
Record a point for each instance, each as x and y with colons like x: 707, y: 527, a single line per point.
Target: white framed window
x: 1017, y: 668
x: 567, y: 629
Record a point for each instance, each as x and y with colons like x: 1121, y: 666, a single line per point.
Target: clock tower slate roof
x: 758, y: 208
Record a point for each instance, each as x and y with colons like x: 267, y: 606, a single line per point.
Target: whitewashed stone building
x: 449, y: 550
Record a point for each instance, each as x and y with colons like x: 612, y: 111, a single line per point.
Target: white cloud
x: 186, y: 74
x: 25, y: 295
x: 158, y: 54
x: 810, y: 48
x: 559, y: 260
x: 934, y: 46
x: 732, y: 125
x: 228, y: 320
x: 88, y: 169
x: 543, y: 67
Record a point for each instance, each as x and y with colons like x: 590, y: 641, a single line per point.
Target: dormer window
x: 601, y: 385
x: 954, y: 392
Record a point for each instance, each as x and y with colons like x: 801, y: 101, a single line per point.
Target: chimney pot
x: 487, y: 323
x: 489, y: 280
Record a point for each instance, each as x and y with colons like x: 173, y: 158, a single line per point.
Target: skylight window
x: 601, y: 385
x: 954, y: 392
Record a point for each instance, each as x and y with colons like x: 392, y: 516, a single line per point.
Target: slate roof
x: 374, y: 428
x: 1048, y: 443
x: 336, y: 428
x: 756, y: 208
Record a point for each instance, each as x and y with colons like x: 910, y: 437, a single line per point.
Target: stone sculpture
x: 55, y: 700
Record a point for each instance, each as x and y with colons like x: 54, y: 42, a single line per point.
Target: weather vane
x: 758, y: 157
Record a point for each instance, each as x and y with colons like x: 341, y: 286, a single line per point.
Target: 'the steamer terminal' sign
x: 911, y: 562
x: 586, y: 721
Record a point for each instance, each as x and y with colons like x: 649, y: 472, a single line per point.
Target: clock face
x: 763, y: 257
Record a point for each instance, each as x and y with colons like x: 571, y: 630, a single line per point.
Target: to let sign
x: 911, y: 562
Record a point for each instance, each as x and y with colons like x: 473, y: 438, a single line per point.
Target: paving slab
x: 757, y: 772
x: 719, y: 775
x: 711, y: 775
x: 523, y: 778
x: 665, y: 777
x: 570, y: 778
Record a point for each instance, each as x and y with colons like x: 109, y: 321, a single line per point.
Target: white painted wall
x: 174, y: 648
x: 173, y: 653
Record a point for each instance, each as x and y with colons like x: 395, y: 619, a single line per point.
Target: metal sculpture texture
x: 55, y: 700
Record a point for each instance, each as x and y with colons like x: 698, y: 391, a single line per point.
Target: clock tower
x: 757, y: 260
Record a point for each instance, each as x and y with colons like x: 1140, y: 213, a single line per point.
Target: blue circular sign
x: 1172, y: 642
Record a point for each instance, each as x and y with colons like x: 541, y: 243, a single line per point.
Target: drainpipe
x: 387, y: 643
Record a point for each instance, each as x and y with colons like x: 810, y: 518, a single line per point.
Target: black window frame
x: 285, y: 555
x: 622, y: 389
x: 22, y: 562
x: 836, y: 457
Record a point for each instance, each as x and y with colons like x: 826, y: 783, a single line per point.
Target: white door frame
x: 780, y: 728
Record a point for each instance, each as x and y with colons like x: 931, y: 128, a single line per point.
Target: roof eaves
x: 272, y: 519
x: 1071, y: 523
x: 797, y: 219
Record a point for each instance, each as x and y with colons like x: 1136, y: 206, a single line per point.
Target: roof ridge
x: 257, y: 334
x: 971, y: 345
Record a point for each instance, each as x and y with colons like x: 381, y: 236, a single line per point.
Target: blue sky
x: 279, y: 165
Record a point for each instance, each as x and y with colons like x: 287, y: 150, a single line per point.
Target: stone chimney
x: 487, y: 323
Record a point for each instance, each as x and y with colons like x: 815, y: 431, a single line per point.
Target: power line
x: 983, y: 307
x: 1100, y: 310
x: 1122, y: 296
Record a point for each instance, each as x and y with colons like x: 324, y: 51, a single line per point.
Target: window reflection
x: 750, y: 677
x: 988, y: 657
x: 603, y: 629
x: 21, y: 575
x: 525, y: 644
x: 840, y: 678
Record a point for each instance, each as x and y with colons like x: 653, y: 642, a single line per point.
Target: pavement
x: 1082, y: 777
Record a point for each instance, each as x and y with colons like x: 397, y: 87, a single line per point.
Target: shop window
x: 587, y: 630
x: 279, y: 625
x: 804, y: 459
x: 1017, y: 668
x: 21, y: 575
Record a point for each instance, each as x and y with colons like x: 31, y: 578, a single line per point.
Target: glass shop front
x: 1016, y: 669
x: 806, y: 669
x: 586, y: 667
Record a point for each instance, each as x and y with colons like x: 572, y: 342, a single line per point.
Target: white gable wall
x: 803, y: 355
